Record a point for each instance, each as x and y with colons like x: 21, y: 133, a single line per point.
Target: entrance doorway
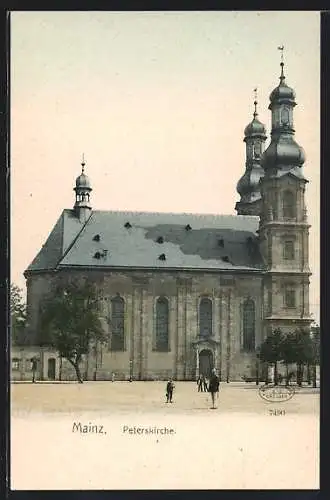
x: 205, y: 362
x: 51, y: 368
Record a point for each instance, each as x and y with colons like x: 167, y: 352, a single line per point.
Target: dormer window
x: 128, y: 225
x: 97, y: 255
x: 96, y: 237
x: 188, y: 227
x: 160, y: 239
x: 162, y: 256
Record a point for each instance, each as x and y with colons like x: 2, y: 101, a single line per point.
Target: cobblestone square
x: 146, y: 397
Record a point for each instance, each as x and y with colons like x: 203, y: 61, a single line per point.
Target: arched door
x: 205, y: 362
x: 51, y: 368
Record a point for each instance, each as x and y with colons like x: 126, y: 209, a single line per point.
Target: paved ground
x: 146, y: 397
x: 239, y: 445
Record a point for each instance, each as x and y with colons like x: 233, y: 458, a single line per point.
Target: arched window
x: 249, y: 325
x: 289, y: 205
x: 205, y: 318
x: 117, y: 324
x: 161, y: 343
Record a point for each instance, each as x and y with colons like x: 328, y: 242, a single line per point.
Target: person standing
x: 34, y: 369
x: 214, y: 386
x: 169, y: 391
x: 205, y: 383
x: 200, y: 383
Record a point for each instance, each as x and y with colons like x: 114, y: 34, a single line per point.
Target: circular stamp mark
x: 276, y: 393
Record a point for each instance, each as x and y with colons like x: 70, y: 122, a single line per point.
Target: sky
x: 158, y: 103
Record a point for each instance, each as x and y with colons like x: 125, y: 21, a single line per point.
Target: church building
x: 182, y: 293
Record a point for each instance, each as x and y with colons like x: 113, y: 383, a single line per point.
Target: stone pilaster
x: 181, y: 332
x: 223, y: 334
x: 147, y: 310
x: 228, y: 335
x: 172, y: 325
x: 136, y: 333
x: 129, y: 326
x: 188, y: 358
x: 217, y: 336
x: 192, y: 329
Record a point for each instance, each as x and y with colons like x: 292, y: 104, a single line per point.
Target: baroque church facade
x: 183, y: 293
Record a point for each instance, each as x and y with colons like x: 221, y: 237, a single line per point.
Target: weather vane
x: 83, y: 163
x: 281, y: 48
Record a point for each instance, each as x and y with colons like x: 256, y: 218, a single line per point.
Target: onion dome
x: 283, y: 151
x: 282, y: 93
x: 82, y: 180
x: 248, y: 186
x: 255, y: 128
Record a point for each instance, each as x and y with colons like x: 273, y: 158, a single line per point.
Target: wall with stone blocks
x: 184, y: 291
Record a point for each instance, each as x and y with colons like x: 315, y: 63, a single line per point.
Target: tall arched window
x: 205, y: 318
x: 162, y: 343
x: 289, y: 205
x: 249, y: 325
x: 117, y: 324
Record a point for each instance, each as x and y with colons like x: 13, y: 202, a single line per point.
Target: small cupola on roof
x: 82, y: 189
x: 283, y: 152
x: 248, y: 186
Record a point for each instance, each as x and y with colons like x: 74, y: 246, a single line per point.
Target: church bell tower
x: 283, y: 228
x: 248, y: 186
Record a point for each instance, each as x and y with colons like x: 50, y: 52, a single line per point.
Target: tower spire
x: 255, y: 114
x: 281, y: 48
x: 83, y: 164
x: 283, y: 153
x: 248, y: 186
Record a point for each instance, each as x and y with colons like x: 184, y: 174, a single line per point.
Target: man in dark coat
x: 169, y: 391
x: 34, y: 369
x: 200, y: 383
x: 214, y: 386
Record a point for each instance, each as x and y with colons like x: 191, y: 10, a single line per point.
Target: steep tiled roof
x: 151, y: 240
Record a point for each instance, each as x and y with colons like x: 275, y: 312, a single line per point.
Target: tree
x: 271, y: 351
x: 70, y: 321
x: 303, y: 351
x: 18, y: 315
x: 288, y: 352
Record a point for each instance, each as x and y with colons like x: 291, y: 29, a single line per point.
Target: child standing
x: 169, y: 391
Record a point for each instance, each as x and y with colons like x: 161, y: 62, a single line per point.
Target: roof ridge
x: 193, y: 214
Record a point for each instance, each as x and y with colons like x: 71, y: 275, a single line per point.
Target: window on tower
x: 248, y: 325
x: 257, y: 149
x: 289, y: 205
x: 117, y: 324
x: 162, y: 325
x: 290, y: 296
x: 288, y: 250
